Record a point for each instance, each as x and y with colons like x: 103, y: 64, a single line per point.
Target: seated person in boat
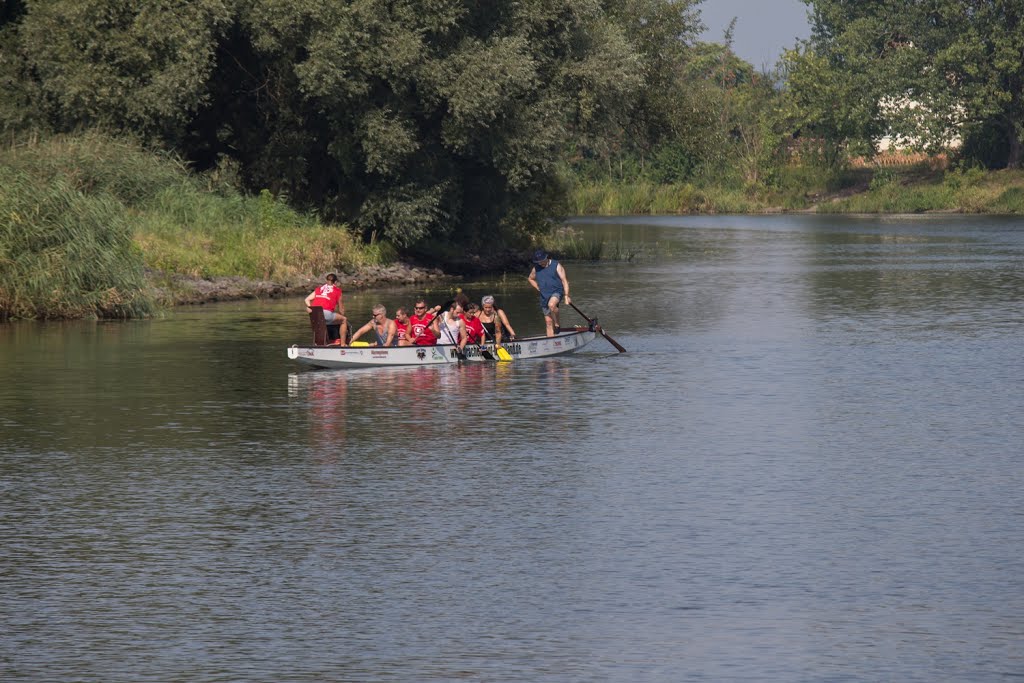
x: 450, y: 328
x: 328, y: 297
x: 402, y: 327
x: 474, y: 328
x: 419, y: 332
x: 494, y: 321
x: 384, y: 329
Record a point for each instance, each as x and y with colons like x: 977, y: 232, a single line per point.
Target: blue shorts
x: 331, y: 317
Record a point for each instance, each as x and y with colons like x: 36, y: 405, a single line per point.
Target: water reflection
x: 807, y: 467
x: 495, y: 397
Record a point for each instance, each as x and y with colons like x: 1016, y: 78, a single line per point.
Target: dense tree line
x: 408, y: 118
x: 418, y: 119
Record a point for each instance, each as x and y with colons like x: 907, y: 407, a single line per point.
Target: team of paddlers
x: 458, y: 321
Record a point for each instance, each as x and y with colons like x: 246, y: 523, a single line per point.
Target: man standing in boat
x: 548, y: 277
x: 328, y: 297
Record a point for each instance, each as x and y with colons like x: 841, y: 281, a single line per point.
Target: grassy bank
x: 902, y: 190
x: 82, y: 218
x: 572, y: 244
x: 907, y: 191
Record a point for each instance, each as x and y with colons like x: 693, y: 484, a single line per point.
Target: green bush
x: 64, y: 195
x: 673, y: 163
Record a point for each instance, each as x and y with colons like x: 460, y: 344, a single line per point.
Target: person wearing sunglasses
x: 420, y: 333
x: 383, y: 327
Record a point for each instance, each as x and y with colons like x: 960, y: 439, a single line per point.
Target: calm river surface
x: 808, y: 467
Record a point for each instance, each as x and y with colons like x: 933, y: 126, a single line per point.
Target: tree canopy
x: 923, y: 71
x: 409, y: 119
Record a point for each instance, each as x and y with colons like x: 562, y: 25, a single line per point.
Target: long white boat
x: 568, y: 341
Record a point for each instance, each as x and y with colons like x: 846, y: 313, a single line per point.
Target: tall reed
x: 570, y: 244
x: 66, y: 255
x: 64, y: 196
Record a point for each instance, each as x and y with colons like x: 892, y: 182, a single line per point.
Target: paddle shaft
x: 441, y: 323
x: 598, y: 328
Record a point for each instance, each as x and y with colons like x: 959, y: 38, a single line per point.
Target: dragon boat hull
x: 568, y: 341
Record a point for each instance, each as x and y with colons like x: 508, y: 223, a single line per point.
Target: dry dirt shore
x: 173, y: 290
x: 176, y: 290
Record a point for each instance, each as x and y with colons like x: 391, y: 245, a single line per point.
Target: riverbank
x: 94, y: 226
x: 910, y: 189
x: 173, y: 289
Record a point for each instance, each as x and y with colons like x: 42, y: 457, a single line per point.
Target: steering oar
x: 593, y: 323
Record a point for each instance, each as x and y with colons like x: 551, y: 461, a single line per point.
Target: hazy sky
x: 763, y: 27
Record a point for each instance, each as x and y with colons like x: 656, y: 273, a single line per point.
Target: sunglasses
x: 421, y: 308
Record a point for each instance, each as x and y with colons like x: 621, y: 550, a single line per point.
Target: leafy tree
x: 661, y: 32
x: 668, y: 131
x: 136, y: 65
x: 924, y: 71
x: 755, y: 130
x: 412, y: 119
x: 831, y: 110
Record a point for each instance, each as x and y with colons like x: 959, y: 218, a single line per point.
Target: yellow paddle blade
x: 503, y: 354
x: 359, y: 343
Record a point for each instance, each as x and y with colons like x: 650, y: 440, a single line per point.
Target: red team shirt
x: 474, y: 329
x: 420, y: 326
x: 326, y: 296
x: 401, y: 330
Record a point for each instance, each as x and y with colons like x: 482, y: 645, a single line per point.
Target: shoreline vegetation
x: 94, y: 226
x: 151, y: 155
x: 914, y: 188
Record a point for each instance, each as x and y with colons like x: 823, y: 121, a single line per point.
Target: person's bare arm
x: 533, y: 279
x: 358, y: 333
x: 565, y: 282
x: 505, y: 323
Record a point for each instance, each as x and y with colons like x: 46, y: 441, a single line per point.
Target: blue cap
x: 539, y: 256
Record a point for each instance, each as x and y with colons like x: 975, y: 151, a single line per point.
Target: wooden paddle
x: 593, y: 324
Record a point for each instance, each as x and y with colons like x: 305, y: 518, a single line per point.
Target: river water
x: 808, y: 467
